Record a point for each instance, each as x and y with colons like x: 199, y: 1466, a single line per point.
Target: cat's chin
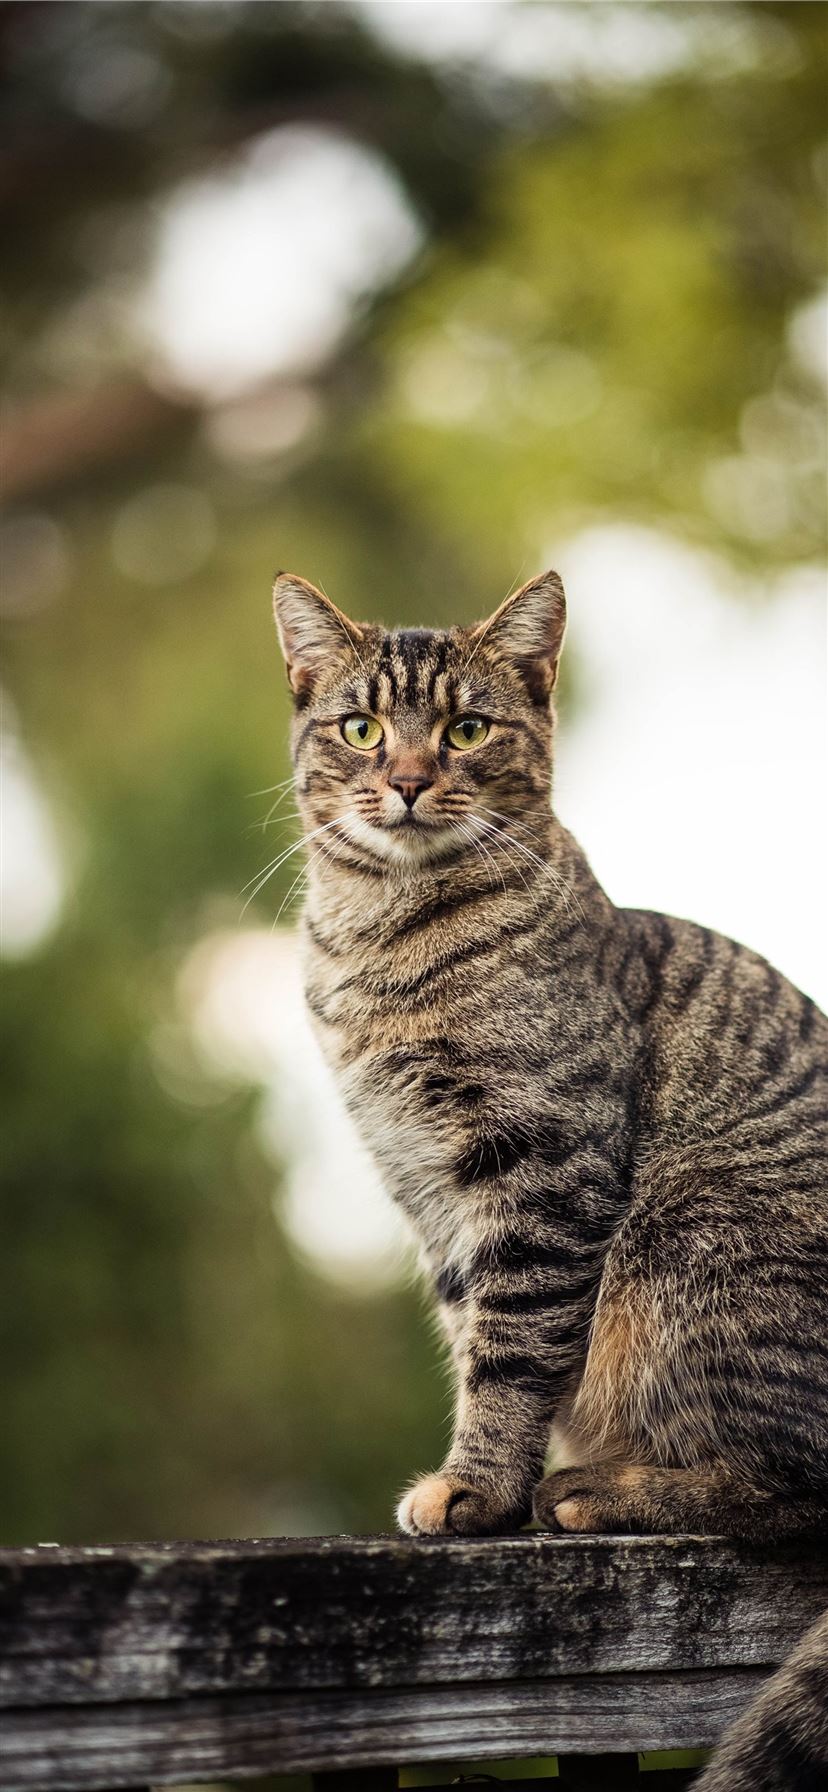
x: 414, y: 844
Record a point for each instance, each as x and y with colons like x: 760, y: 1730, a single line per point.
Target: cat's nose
x: 410, y: 788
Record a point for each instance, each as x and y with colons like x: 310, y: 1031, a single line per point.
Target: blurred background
x: 416, y: 299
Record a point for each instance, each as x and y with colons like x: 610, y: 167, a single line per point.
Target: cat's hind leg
x: 703, y: 1405
x: 638, y: 1498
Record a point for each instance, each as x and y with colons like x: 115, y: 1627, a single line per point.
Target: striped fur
x: 781, y: 1742
x: 608, y: 1128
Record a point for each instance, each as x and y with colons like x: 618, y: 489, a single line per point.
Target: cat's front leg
x: 515, y: 1366
x: 480, y: 1490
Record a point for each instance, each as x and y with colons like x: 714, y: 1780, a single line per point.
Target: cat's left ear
x: 528, y: 629
x: 313, y: 633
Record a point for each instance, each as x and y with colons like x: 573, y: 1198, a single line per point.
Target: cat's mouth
x: 409, y: 837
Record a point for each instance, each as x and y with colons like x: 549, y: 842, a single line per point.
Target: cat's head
x: 413, y: 743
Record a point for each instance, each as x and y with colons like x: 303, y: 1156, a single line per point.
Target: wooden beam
x: 172, y: 1741
x: 163, y: 1663
x: 162, y: 1622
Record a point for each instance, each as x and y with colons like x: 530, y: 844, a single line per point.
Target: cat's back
x: 734, y: 1046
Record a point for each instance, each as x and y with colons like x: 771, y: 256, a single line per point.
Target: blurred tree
x: 615, y: 336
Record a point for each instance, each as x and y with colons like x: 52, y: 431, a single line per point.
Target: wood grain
x: 171, y: 1662
x: 196, y: 1739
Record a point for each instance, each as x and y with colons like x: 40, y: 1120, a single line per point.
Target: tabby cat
x: 608, y: 1128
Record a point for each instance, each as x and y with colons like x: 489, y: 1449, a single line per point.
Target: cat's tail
x: 781, y: 1742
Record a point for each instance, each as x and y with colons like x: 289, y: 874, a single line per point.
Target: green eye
x: 362, y: 732
x: 466, y: 731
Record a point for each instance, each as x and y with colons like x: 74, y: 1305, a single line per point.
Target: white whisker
x: 470, y: 834
x: 543, y: 865
x: 303, y: 873
x: 259, y: 827
x: 500, y: 834
x: 277, y: 805
x: 269, y: 788
x: 263, y: 877
x: 466, y: 834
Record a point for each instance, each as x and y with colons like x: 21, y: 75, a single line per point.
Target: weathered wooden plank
x: 164, y: 1742
x: 154, y: 1623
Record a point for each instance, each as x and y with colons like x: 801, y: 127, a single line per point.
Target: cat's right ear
x: 313, y: 633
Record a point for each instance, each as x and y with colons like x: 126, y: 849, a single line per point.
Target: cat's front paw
x: 443, y: 1505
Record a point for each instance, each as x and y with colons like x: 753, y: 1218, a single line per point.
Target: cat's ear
x: 313, y: 633
x: 528, y: 629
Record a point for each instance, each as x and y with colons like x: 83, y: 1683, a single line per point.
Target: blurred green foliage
x: 598, y: 326
x: 632, y: 299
